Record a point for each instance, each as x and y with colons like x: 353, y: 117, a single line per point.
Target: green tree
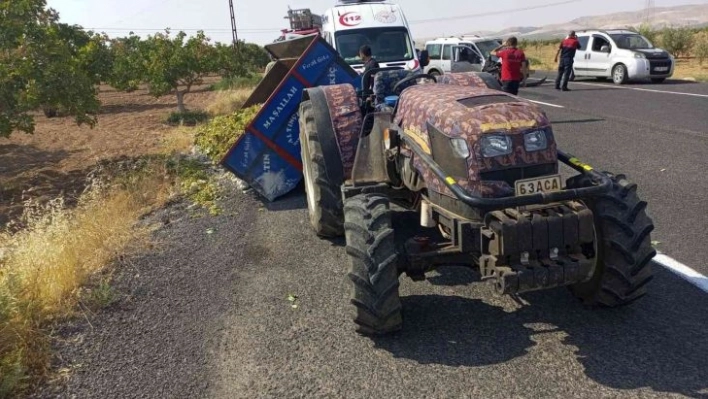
x: 255, y: 56
x: 96, y: 58
x: 38, y: 68
x: 647, y: 31
x: 701, y: 47
x: 129, y: 63
x: 677, y: 41
x: 174, y: 65
x: 229, y: 64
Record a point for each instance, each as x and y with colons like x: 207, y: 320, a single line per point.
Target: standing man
x: 369, y: 61
x: 512, y: 58
x: 566, y: 50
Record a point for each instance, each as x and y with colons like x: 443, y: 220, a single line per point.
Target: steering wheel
x: 396, y: 87
x: 367, y: 76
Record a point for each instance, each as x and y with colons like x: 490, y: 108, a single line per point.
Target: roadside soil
x: 56, y: 159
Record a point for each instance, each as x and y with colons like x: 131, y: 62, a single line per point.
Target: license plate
x: 538, y: 185
x: 661, y: 69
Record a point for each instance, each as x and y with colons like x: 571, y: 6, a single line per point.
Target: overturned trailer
x: 267, y: 155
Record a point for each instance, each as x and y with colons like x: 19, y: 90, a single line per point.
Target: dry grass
x: 178, y: 140
x: 543, y: 55
x: 44, y: 265
x: 691, y: 69
x: 228, y: 101
x: 49, y: 255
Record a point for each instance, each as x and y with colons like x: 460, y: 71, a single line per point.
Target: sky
x: 260, y: 21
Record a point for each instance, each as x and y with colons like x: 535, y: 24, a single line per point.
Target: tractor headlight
x: 494, y: 145
x: 459, y: 147
x: 535, y: 141
x: 451, y: 153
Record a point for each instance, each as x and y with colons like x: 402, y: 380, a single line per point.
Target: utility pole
x: 649, y: 12
x: 233, y: 25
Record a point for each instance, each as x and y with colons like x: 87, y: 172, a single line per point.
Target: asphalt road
x: 207, y: 315
x: 659, y: 139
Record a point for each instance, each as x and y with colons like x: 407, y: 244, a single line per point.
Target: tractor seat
x: 384, y: 81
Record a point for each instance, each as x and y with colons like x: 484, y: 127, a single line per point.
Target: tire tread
x: 373, y: 265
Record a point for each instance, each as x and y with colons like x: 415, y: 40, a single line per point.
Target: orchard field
x: 58, y: 157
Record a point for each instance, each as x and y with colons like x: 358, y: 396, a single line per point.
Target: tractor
x: 480, y: 170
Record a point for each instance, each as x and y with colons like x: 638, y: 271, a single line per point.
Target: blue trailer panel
x: 267, y: 155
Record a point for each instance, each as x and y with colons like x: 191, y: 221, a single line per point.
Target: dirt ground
x: 56, y: 159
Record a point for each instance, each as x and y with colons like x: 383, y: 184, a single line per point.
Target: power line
x: 278, y: 30
x: 486, y: 14
x: 183, y: 29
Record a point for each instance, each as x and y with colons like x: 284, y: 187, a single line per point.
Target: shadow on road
x: 454, y: 276
x: 660, y: 342
x: 293, y: 200
x: 455, y: 331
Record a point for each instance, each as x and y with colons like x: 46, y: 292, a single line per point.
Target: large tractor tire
x: 623, y: 246
x: 373, y: 269
x: 324, y: 199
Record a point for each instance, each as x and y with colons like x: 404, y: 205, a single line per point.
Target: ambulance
x: 380, y: 24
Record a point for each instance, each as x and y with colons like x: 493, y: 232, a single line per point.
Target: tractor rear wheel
x: 324, y: 201
x: 623, y: 246
x: 373, y: 269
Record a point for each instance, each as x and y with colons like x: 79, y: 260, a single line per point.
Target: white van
x: 380, y: 24
x: 621, y: 55
x: 441, y: 52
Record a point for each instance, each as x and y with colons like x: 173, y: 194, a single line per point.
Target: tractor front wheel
x: 623, y: 249
x: 373, y: 268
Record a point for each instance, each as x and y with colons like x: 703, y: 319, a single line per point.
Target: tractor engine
x: 492, y: 145
x: 483, y: 139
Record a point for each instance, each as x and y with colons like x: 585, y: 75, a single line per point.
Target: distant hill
x: 688, y: 15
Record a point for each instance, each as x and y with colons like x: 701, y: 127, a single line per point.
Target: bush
x: 196, y: 183
x: 677, y: 41
x: 216, y: 137
x: 189, y: 118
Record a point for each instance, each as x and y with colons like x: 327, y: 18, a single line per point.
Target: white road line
x: 640, y: 89
x: 683, y: 271
x: 542, y: 103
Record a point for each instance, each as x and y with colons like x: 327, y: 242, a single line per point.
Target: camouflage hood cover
x: 470, y: 112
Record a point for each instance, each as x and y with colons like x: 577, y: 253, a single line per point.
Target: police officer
x: 566, y: 50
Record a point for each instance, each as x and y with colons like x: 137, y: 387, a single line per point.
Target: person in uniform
x: 566, y: 51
